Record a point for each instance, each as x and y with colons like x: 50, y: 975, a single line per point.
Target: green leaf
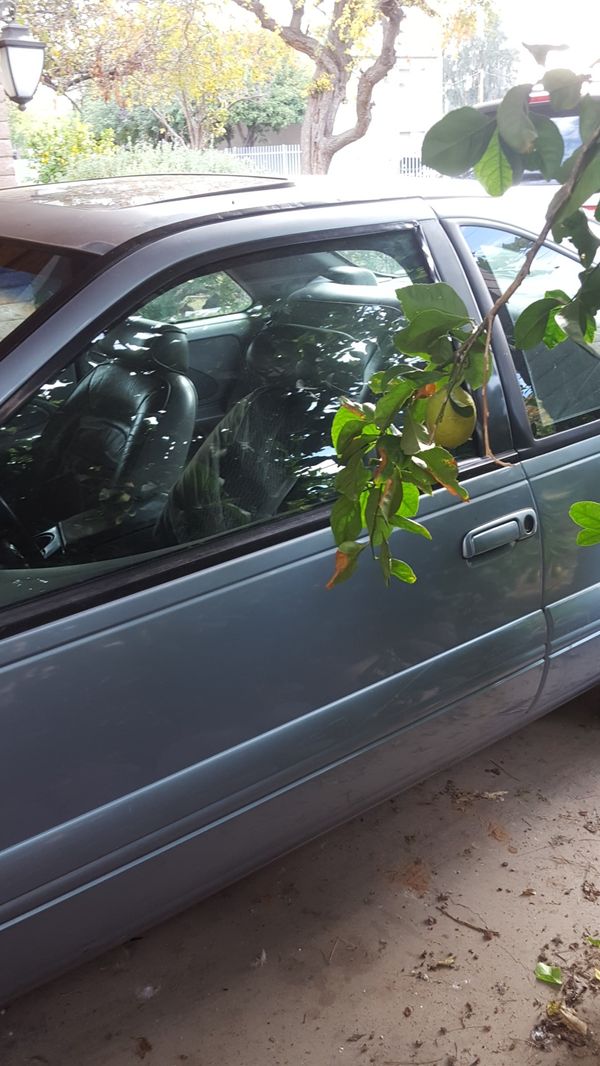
x: 414, y: 435
x: 344, y: 428
x: 418, y: 475
x: 343, y: 417
x: 594, y: 941
x: 564, y: 87
x: 579, y: 323
x: 442, y: 466
x: 346, y: 522
x: 549, y: 147
x: 392, y: 496
x: 374, y: 520
x: 457, y: 142
x: 514, y: 124
x: 589, y: 293
x: 410, y: 527
x: 436, y: 295
x: 577, y: 229
x: 587, y: 515
x: 587, y: 184
x: 425, y: 329
x: 551, y: 975
x: 475, y: 374
x: 532, y: 323
x: 554, y: 333
x: 353, y: 478
x: 493, y: 169
x: 392, y: 402
x: 410, y: 501
x: 589, y: 117
x: 402, y: 571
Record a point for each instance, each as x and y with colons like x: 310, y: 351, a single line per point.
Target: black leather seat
x: 270, y: 438
x: 123, y: 435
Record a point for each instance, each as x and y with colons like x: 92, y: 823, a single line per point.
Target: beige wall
x: 7, y: 169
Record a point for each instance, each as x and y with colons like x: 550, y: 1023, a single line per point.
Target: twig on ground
x: 488, y: 933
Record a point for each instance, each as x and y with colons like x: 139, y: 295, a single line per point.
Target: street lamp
x: 21, y: 58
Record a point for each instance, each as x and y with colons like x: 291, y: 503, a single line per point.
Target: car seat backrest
x: 139, y: 342
x: 125, y: 430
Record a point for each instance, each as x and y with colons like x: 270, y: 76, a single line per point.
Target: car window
x: 29, y: 275
x: 207, y: 297
x: 560, y: 386
x: 166, y: 431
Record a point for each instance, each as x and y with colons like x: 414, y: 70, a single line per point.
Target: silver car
x: 181, y: 699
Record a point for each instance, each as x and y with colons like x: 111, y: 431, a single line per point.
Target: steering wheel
x: 23, y: 540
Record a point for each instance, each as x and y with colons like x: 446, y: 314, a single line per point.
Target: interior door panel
x: 216, y: 352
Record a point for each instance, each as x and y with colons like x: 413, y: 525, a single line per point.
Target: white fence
x: 283, y: 160
x: 276, y: 159
x: 410, y: 166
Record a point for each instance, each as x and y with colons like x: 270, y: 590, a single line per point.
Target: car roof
x: 100, y: 215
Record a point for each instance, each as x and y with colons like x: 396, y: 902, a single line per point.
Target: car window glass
x: 560, y: 386
x: 162, y: 433
x: 29, y: 275
x: 206, y: 297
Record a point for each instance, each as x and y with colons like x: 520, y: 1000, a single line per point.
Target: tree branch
x: 393, y: 14
x: 292, y: 34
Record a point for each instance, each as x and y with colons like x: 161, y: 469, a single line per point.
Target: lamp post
x: 21, y: 62
x: 21, y: 58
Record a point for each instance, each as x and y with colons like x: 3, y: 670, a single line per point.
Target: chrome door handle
x: 507, y: 530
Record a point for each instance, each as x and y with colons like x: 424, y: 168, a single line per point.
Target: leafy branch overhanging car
x: 181, y: 699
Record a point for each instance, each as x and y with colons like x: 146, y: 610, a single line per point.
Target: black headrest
x: 358, y: 295
x: 352, y: 275
x: 296, y: 356
x: 142, y: 343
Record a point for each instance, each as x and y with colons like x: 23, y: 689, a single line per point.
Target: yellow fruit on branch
x: 458, y: 420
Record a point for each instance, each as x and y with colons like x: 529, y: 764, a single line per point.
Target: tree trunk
x: 7, y: 167
x: 317, y: 127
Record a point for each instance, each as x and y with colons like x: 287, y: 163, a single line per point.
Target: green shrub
x: 53, y: 147
x: 153, y: 159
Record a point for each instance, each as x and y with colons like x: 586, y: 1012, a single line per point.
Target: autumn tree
x: 336, y: 35
x: 178, y: 52
x: 77, y: 36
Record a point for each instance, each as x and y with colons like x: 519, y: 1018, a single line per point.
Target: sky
x: 575, y: 23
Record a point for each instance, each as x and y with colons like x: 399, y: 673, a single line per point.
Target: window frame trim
x: 194, y: 557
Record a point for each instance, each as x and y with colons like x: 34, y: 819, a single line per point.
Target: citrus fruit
x: 458, y: 420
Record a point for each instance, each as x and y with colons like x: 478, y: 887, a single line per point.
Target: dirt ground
x: 409, y: 936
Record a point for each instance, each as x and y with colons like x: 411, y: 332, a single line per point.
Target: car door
x: 176, y: 712
x: 556, y: 419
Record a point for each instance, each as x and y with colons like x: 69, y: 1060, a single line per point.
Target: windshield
x: 29, y: 275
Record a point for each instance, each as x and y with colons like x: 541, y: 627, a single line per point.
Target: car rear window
x: 29, y: 275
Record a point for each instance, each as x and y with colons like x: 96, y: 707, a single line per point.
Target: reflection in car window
x: 161, y: 433
x: 207, y: 297
x: 29, y: 275
x: 560, y: 386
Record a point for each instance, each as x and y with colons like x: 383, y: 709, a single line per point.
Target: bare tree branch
x: 292, y: 34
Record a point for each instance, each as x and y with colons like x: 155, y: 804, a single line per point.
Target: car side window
x: 205, y: 297
x: 169, y: 430
x: 561, y: 385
